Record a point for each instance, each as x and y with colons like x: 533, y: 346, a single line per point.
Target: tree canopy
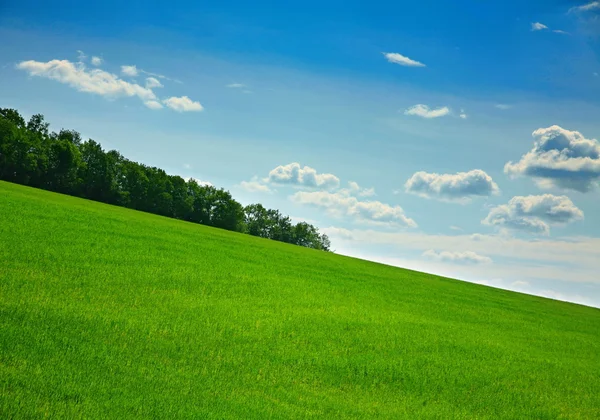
x: 62, y: 162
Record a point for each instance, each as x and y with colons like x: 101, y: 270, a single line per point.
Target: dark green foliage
x: 32, y: 155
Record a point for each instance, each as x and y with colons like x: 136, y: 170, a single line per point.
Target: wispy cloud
x: 97, y: 61
x: 537, y: 26
x: 503, y: 106
x: 424, y: 111
x: 465, y: 257
x: 235, y: 85
x: 94, y: 81
x: 152, y: 83
x: 397, y: 58
x: 103, y: 83
x: 594, y: 5
x: 81, y: 55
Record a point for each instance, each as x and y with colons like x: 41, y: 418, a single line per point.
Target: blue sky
x: 443, y: 94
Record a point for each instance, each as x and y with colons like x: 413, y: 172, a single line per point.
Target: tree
x: 62, y: 162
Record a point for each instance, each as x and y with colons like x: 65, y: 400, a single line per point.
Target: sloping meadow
x: 107, y: 312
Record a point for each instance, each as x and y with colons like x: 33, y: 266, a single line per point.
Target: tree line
x: 32, y: 155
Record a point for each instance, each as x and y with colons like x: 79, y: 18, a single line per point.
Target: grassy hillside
x: 111, y: 313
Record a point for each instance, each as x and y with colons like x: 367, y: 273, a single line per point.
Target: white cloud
x: 463, y: 114
x: 455, y: 228
x: 152, y: 83
x: 129, y: 71
x: 94, y: 81
x: 340, y: 204
x: 182, y: 104
x: 153, y: 104
x: 402, y: 60
x: 534, y: 213
x: 559, y: 31
x: 294, y: 174
x: 81, y: 55
x: 465, y: 257
x: 586, y: 7
x: 235, y: 85
x: 424, y: 111
x: 187, y: 166
x: 537, y: 26
x: 357, y: 189
x: 459, y: 187
x: 560, y: 158
x: 97, y: 61
x: 503, y: 106
x: 255, y: 186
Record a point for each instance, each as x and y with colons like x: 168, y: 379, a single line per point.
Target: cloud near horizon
x: 466, y: 257
x: 342, y: 204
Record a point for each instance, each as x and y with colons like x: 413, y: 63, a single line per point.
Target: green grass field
x: 107, y: 312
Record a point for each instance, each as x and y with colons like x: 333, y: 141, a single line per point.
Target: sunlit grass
x: 107, y: 312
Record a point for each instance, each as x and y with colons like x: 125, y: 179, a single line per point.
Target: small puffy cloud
x: 129, y: 71
x: 340, y: 204
x: 235, y: 85
x: 560, y: 158
x: 402, y: 60
x: 466, y: 257
x: 358, y: 190
x: 96, y: 61
x: 255, y: 186
x: 594, y: 5
x: 458, y: 187
x: 153, y: 104
x: 537, y: 26
x: 463, y: 114
x: 182, y: 104
x: 424, y: 111
x: 294, y: 174
x: 94, y: 81
x: 534, y: 213
x: 152, y: 82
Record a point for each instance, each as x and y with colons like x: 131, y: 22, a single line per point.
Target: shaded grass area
x: 107, y: 312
